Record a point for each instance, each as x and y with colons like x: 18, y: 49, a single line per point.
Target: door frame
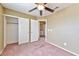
x: 5, y: 23
x: 5, y: 28
x: 45, y: 27
x: 4, y: 18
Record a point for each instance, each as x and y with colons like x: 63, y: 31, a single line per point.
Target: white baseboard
x: 1, y: 51
x: 54, y: 45
x: 63, y: 48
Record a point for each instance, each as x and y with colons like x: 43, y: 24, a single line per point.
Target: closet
x: 12, y: 30
x: 20, y: 30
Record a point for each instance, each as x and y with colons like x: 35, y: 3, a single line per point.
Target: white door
x: 23, y: 30
x: 34, y: 30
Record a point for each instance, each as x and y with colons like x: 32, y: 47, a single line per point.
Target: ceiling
x: 25, y: 7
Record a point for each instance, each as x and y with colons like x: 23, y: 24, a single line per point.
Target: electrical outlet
x: 65, y: 44
x: 50, y: 30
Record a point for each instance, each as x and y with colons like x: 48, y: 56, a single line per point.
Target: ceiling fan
x: 41, y: 7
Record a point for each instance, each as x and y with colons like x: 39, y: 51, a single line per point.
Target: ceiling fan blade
x: 32, y: 9
x: 40, y: 12
x: 56, y: 8
x: 41, y: 3
x: 51, y: 10
x: 45, y: 3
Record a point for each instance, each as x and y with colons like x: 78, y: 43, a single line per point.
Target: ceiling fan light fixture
x: 40, y: 7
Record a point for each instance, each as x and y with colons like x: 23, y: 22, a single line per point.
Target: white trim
x: 5, y: 15
x: 63, y: 48
x: 1, y: 50
x: 4, y: 31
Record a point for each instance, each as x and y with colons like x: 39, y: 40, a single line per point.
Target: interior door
x: 23, y: 30
x: 34, y: 30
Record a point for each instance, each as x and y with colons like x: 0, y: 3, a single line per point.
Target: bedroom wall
x: 16, y: 13
x: 1, y: 28
x: 63, y: 28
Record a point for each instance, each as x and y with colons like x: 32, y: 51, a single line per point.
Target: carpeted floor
x: 38, y: 48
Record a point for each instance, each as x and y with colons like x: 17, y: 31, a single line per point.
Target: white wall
x: 63, y: 28
x: 12, y: 30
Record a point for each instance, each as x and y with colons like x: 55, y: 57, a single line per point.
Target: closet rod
x: 11, y: 23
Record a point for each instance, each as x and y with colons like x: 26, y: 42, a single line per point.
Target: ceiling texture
x: 25, y: 7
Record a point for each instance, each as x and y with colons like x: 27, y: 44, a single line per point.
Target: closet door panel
x: 11, y: 36
x: 23, y: 30
x: 34, y: 30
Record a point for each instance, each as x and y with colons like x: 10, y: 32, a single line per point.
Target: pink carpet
x: 37, y: 48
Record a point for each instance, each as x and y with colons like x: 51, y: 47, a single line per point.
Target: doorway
x: 43, y: 30
x: 16, y: 30
x: 10, y: 30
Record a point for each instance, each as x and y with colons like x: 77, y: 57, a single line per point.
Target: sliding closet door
x: 34, y: 30
x: 23, y: 30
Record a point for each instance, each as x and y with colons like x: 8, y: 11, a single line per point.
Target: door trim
x: 5, y: 43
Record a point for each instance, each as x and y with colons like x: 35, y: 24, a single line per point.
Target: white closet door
x: 34, y: 30
x: 23, y: 30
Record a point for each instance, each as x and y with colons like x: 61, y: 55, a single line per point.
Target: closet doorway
x: 42, y: 28
x: 16, y: 30
x: 11, y: 30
